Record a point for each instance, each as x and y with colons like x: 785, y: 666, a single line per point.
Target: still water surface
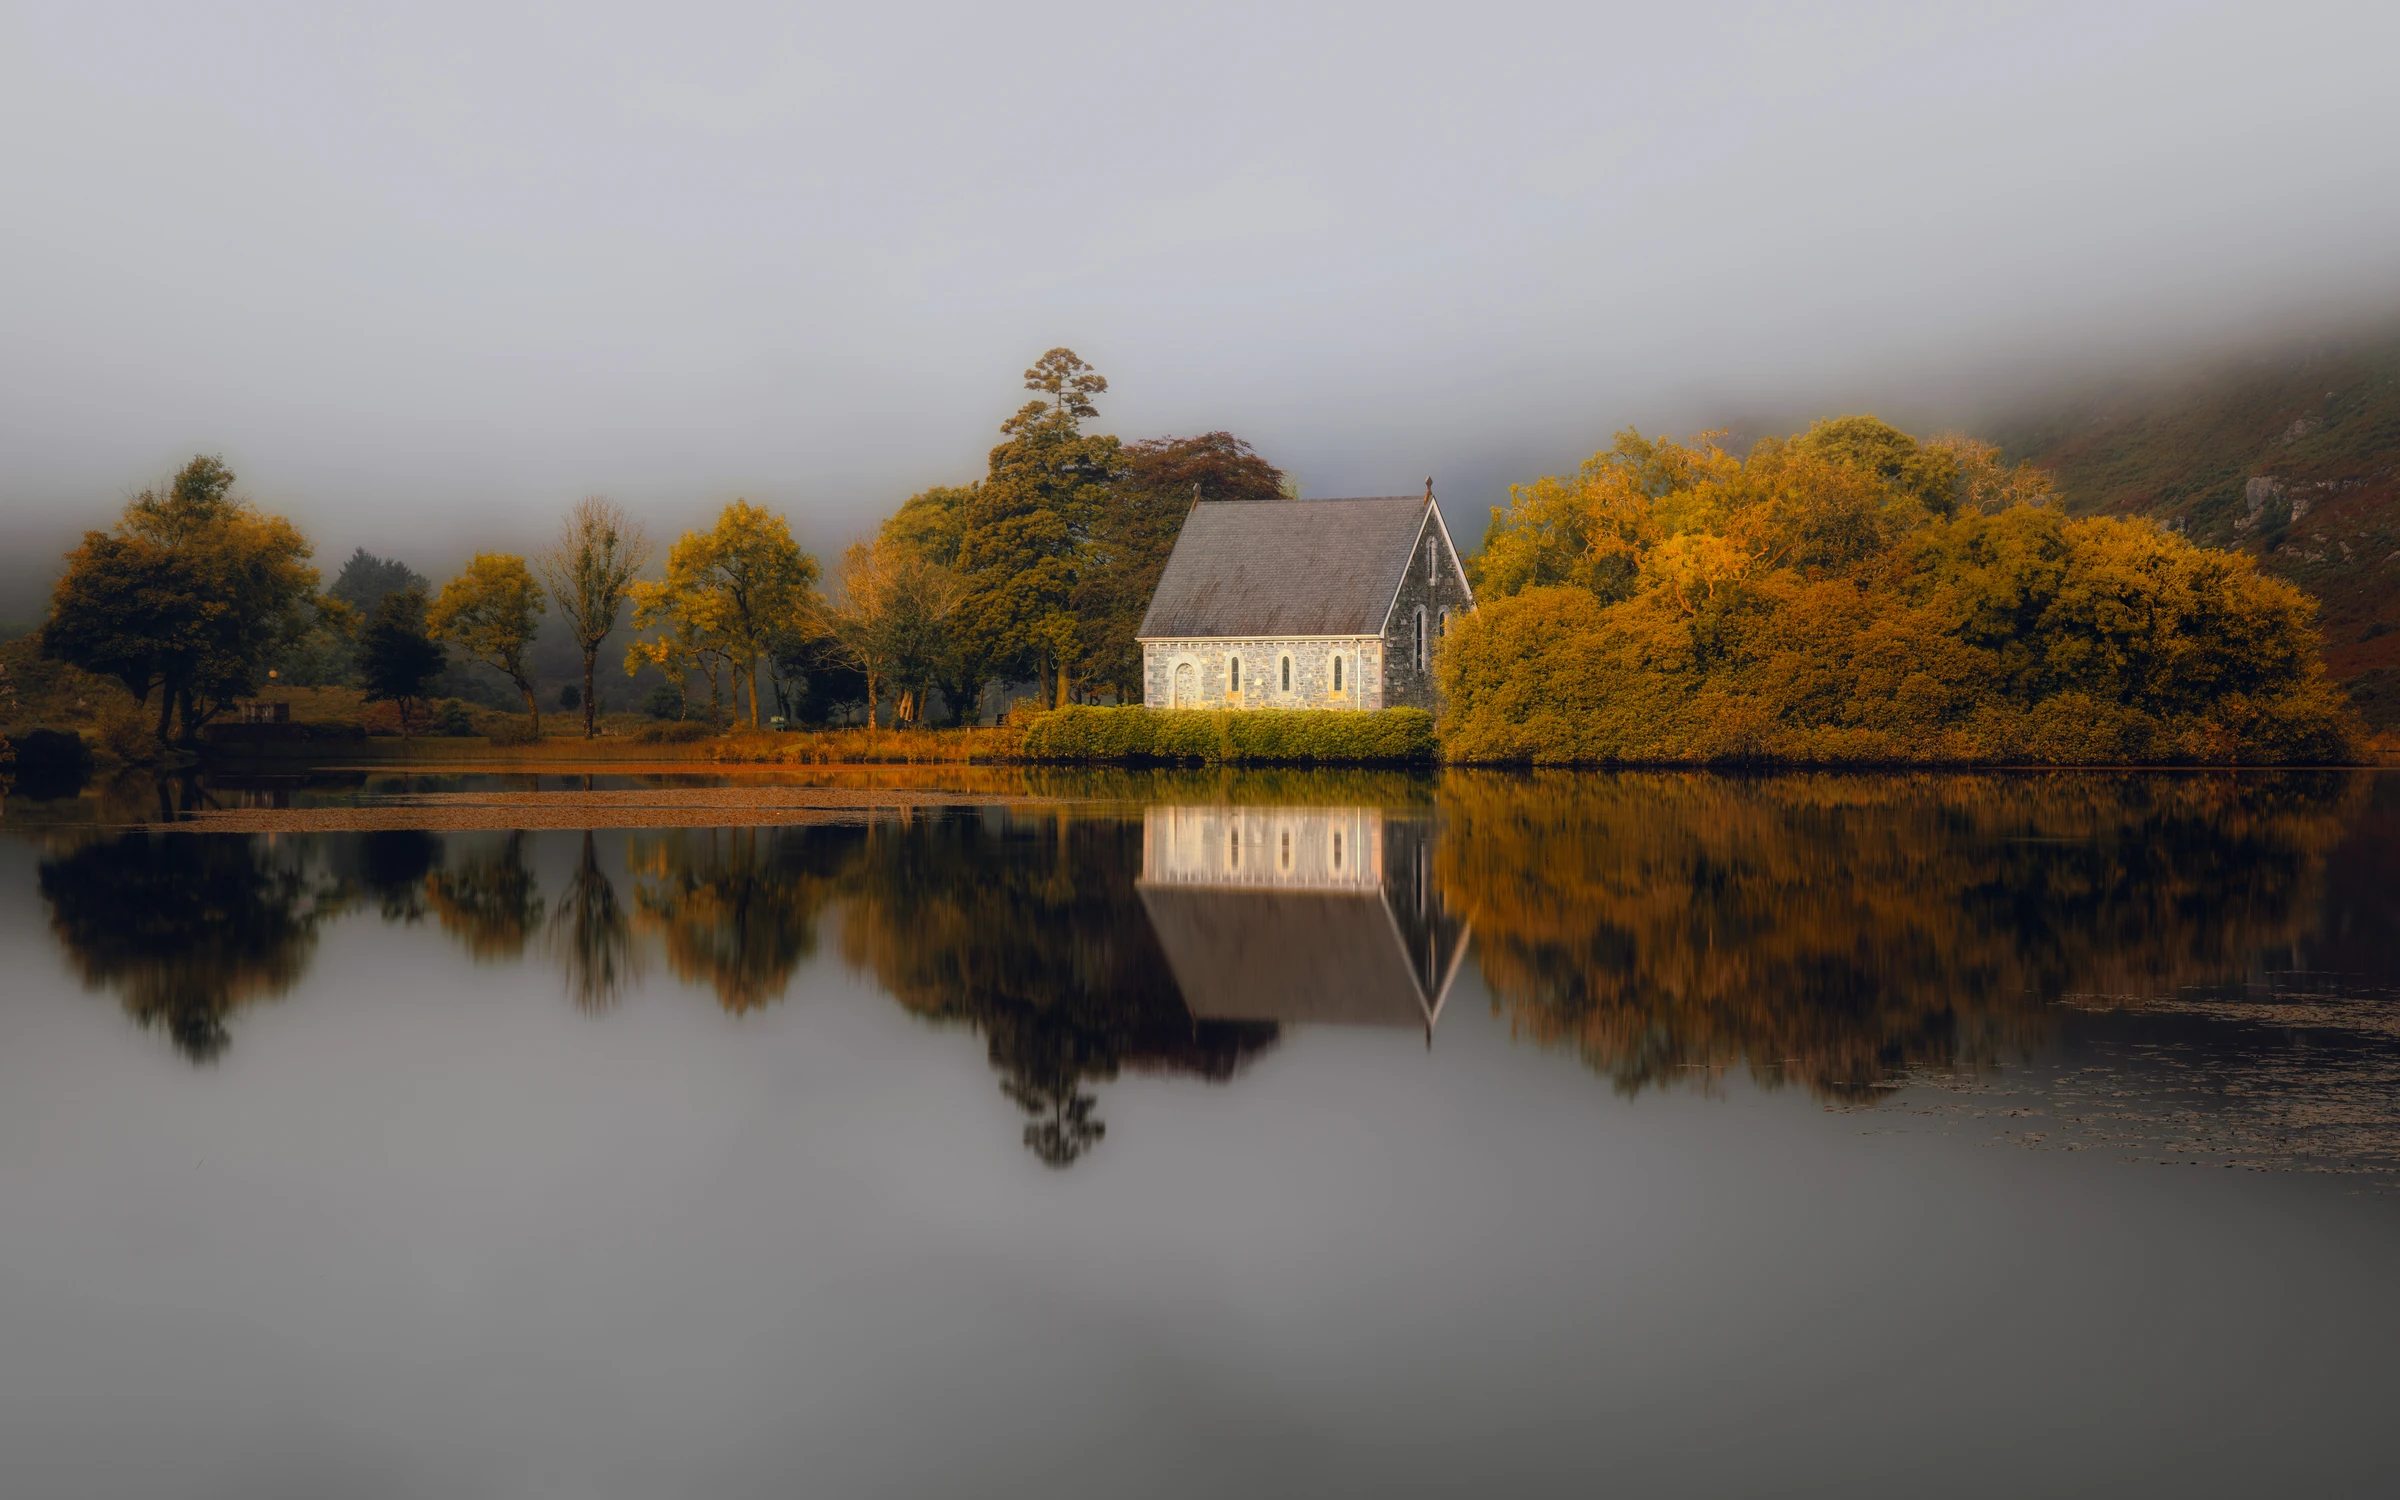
x: 1265, y: 1134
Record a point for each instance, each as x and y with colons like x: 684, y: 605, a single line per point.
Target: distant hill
x: 2294, y: 459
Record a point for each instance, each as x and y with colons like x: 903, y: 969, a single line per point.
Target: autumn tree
x: 679, y: 641
x: 489, y: 612
x: 741, y: 581
x: 193, y: 594
x: 1849, y: 594
x: 589, y: 570
x: 892, y: 613
x: 1025, y: 527
x: 397, y: 656
x: 931, y: 524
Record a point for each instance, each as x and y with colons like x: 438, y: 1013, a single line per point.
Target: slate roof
x: 1253, y: 568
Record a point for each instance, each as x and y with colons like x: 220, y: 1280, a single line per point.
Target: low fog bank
x: 1993, y: 394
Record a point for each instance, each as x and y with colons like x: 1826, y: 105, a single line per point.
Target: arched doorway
x: 1187, y: 685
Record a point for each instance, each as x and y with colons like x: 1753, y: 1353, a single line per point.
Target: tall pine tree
x: 1027, y: 526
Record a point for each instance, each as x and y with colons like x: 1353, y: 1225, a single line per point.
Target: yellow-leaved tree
x: 893, y: 614
x: 489, y: 612
x: 728, y: 590
x: 1851, y: 594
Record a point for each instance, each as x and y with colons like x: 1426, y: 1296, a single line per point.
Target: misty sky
x: 424, y: 273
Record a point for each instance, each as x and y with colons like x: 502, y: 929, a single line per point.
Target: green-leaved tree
x: 1021, y: 546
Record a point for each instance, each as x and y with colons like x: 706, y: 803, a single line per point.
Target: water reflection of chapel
x: 1303, y: 914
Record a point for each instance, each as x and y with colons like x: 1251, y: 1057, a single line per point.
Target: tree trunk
x: 589, y: 652
x: 166, y: 709
x: 533, y: 710
x: 871, y: 700
x: 754, y: 690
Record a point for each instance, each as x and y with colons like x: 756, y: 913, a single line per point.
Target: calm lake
x: 999, y: 1133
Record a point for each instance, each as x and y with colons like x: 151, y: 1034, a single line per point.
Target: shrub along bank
x: 1133, y: 734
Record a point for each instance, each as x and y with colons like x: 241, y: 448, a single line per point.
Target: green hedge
x: 1260, y: 736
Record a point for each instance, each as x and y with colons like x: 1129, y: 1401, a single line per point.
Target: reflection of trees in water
x: 735, y: 908
x: 1831, y: 929
x: 592, y: 937
x: 186, y: 928
x: 391, y: 867
x: 489, y: 900
x: 1032, y: 932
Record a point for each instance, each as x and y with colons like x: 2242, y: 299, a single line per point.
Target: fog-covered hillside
x: 2293, y: 458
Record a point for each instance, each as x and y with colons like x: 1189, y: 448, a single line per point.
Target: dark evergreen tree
x: 365, y: 579
x: 397, y: 659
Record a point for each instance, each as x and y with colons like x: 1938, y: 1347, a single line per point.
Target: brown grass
x: 860, y: 747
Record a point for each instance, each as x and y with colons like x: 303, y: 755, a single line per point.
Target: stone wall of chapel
x: 1262, y: 673
x: 1405, y: 684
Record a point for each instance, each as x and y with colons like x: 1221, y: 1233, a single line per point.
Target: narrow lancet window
x: 1337, y: 674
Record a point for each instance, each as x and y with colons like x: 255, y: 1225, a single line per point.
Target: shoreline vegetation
x: 1081, y: 738
x: 1846, y: 596
x: 1851, y: 595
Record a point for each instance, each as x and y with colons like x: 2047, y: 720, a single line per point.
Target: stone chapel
x: 1303, y: 604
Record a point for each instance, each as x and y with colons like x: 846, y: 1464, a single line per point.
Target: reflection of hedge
x: 1383, y: 736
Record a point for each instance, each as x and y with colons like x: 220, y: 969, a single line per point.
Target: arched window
x: 1233, y: 848
x: 1337, y: 672
x: 1287, y: 673
x: 1337, y: 851
x: 1420, y: 640
x: 1233, y: 675
x: 1433, y: 561
x: 1285, y: 857
x: 1441, y: 626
